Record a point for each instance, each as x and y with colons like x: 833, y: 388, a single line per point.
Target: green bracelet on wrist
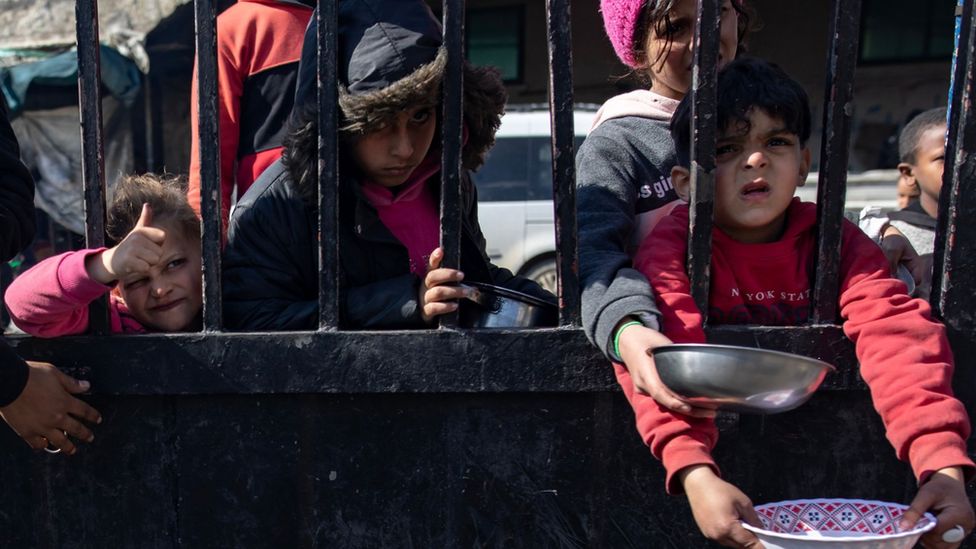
x: 616, y: 337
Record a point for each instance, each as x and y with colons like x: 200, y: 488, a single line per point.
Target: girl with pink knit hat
x: 623, y: 177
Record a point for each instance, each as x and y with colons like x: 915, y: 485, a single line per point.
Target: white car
x: 515, y: 192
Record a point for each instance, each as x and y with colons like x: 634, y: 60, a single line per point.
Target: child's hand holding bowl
x: 437, y: 297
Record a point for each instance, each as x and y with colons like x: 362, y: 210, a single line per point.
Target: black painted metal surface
x: 205, y: 20
x: 832, y: 186
x: 563, y: 164
x: 703, y: 131
x: 422, y: 361
x: 955, y: 263
x: 328, y: 165
x: 92, y: 144
x: 499, y: 466
x: 451, y: 141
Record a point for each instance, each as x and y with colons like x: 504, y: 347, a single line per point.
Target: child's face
x: 169, y: 297
x: 928, y: 166
x: 907, y: 190
x: 670, y: 63
x: 756, y: 175
x: 389, y: 155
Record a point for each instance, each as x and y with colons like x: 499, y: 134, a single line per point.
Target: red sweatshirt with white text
x: 904, y: 355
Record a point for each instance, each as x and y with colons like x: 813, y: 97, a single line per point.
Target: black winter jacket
x: 270, y: 267
x: 16, y: 232
x: 390, y: 59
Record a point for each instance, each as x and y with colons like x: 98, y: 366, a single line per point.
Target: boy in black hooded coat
x: 390, y: 62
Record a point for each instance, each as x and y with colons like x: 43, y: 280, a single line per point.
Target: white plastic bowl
x: 836, y: 524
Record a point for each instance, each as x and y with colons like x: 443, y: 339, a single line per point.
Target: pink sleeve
x: 679, y: 441
x: 905, y: 360
x: 51, y: 299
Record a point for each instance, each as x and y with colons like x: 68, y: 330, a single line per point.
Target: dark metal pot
x: 496, y: 307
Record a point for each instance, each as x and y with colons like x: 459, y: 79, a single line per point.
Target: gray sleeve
x: 612, y: 289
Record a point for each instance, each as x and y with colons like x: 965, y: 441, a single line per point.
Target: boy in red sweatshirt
x: 762, y: 254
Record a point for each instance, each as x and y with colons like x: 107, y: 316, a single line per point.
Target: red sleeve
x: 679, y: 441
x: 905, y: 360
x: 231, y: 73
x: 51, y: 299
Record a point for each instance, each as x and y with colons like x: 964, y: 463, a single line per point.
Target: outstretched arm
x: 612, y: 289
x: 51, y: 299
x: 678, y: 440
x: 907, y: 363
x: 661, y: 258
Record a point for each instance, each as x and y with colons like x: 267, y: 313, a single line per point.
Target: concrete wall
x: 34, y: 23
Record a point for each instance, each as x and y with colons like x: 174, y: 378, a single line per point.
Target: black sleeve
x: 390, y: 303
x: 16, y: 232
x: 269, y: 280
x: 13, y: 373
x: 16, y: 193
x: 606, y: 202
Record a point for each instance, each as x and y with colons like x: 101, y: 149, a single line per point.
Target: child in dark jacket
x: 389, y: 98
x: 152, y: 274
x: 762, y: 254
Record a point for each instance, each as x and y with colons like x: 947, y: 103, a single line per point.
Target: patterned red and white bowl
x: 835, y: 524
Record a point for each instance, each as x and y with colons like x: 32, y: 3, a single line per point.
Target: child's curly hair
x: 165, y: 194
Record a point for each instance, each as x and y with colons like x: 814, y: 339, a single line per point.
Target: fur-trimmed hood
x: 390, y: 58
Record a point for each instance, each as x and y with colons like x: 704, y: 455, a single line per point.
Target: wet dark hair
x: 908, y: 141
x: 166, y: 196
x: 656, y: 15
x: 745, y: 84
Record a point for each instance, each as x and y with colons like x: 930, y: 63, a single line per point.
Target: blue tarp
x: 120, y: 77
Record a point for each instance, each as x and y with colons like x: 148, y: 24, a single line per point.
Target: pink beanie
x: 620, y: 19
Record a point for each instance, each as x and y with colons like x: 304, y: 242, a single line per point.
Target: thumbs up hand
x: 138, y: 252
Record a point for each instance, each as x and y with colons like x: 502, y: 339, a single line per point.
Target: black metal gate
x: 449, y: 437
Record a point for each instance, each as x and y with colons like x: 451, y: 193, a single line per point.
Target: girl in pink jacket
x: 152, y: 274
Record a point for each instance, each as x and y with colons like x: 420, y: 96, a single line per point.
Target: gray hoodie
x: 624, y: 188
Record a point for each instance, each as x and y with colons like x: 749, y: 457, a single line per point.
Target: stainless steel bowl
x: 496, y: 307
x: 739, y: 379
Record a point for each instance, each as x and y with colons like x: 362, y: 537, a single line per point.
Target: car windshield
x: 517, y: 168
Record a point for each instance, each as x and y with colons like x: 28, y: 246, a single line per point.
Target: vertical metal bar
x: 205, y: 20
x: 451, y: 141
x: 832, y: 186
x: 559, y: 33
x: 92, y: 147
x: 703, y: 131
x: 328, y: 97
x: 954, y: 264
